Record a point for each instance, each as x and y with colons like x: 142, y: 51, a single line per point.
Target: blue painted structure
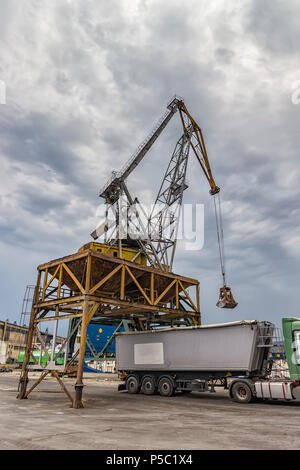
x: 278, y: 351
x: 97, y: 338
x: 87, y: 368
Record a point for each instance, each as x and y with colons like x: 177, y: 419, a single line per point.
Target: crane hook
x: 226, y: 299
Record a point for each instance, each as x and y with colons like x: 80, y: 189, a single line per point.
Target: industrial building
x: 14, y: 338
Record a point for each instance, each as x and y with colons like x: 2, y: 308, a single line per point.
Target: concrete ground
x: 113, y: 420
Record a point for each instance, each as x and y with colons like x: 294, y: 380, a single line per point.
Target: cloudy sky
x: 86, y: 80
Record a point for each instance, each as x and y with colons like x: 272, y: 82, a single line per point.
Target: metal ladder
x: 265, y: 337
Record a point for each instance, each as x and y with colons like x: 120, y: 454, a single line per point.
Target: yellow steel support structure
x: 90, y: 283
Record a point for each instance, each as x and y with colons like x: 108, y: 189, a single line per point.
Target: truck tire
x: 241, y: 392
x: 133, y: 384
x: 148, y: 385
x: 166, y: 387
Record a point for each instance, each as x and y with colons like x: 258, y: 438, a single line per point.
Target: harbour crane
x: 157, y: 232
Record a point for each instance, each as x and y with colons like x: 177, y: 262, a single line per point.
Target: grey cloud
x: 275, y: 29
x: 38, y: 138
x: 111, y: 77
x: 224, y: 55
x: 38, y: 203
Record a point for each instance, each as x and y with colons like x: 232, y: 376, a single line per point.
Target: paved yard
x: 116, y: 420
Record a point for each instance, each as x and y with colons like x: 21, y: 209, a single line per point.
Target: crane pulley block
x: 226, y: 299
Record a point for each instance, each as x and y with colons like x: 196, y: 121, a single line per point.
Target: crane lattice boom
x: 153, y: 242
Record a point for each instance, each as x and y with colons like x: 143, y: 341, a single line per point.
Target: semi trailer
x: 234, y: 355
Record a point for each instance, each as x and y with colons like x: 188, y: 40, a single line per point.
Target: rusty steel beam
x: 86, y: 284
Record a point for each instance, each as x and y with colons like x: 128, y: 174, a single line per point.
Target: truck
x: 234, y: 355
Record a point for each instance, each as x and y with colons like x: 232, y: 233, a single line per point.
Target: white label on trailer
x: 149, y: 353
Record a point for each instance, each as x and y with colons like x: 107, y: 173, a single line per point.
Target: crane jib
x: 171, y: 192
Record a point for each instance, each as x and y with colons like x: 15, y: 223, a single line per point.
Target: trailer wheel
x: 132, y: 384
x: 241, y: 392
x: 166, y: 387
x: 148, y: 385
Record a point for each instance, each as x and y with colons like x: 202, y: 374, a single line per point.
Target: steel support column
x: 79, y: 382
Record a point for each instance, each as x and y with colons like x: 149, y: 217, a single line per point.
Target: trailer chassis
x: 243, y: 388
